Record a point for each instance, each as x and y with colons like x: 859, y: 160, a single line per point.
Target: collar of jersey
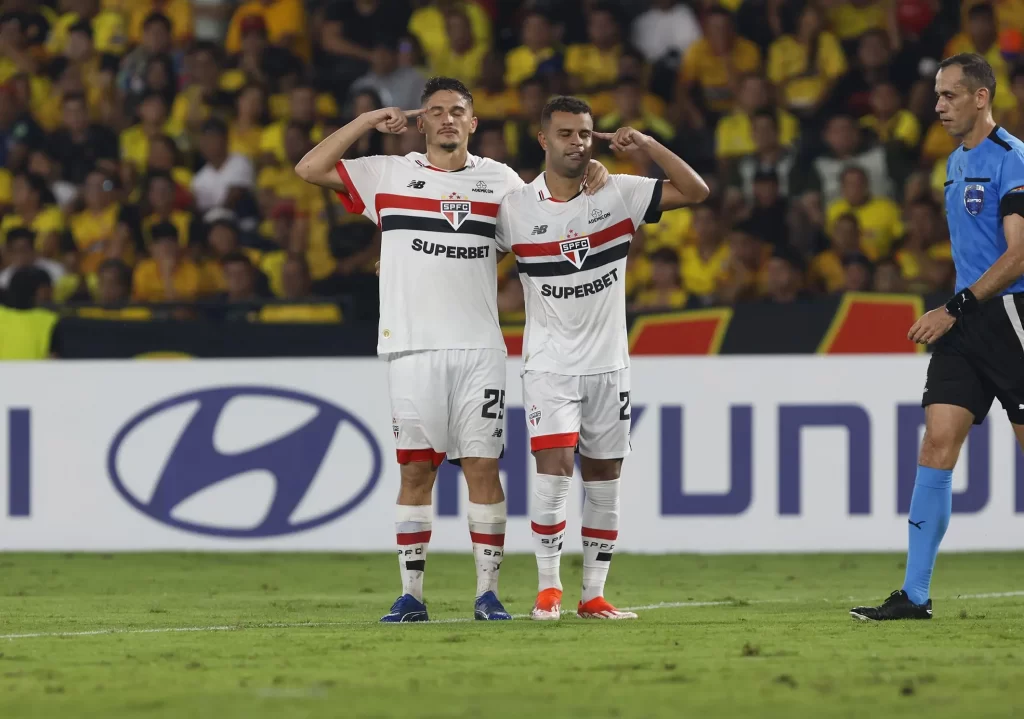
x: 543, y: 193
x: 421, y: 160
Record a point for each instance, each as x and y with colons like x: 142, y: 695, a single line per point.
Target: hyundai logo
x: 244, y: 462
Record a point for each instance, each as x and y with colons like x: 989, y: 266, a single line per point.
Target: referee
x: 978, y: 337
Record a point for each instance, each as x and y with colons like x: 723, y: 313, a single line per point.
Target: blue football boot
x: 488, y: 608
x: 406, y: 609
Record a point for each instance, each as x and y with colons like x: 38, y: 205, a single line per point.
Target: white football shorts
x: 590, y: 412
x: 447, y: 402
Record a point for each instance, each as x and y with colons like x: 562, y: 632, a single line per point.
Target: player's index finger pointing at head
x: 604, y: 135
x: 414, y: 113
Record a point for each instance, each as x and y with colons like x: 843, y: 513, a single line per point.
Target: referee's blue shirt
x: 983, y: 185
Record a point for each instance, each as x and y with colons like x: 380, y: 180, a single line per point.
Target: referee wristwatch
x: 962, y: 303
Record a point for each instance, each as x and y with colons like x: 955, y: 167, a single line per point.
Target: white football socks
x: 547, y: 519
x: 600, y: 531
x: 413, y: 529
x: 487, y: 530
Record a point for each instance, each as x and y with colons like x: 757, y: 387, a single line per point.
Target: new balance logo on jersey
x: 584, y: 290
x: 481, y: 186
x: 455, y: 209
x: 539, y: 230
x: 417, y: 184
x: 597, y: 216
x: 576, y: 250
x: 498, y: 432
x: 452, y: 252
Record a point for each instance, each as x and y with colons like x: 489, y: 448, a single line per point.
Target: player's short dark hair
x: 564, y: 103
x: 157, y: 18
x: 977, y: 72
x: 982, y: 10
x: 439, y: 84
x: 19, y: 234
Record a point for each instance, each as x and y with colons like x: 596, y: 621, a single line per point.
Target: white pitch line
x: 452, y: 620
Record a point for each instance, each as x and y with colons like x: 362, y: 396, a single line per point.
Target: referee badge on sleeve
x: 974, y: 199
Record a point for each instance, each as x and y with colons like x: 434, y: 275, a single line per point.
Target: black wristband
x: 962, y: 303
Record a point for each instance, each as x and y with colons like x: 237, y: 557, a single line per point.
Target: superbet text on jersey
x: 438, y: 271
x: 571, y: 258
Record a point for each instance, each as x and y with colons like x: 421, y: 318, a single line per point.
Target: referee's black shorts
x: 981, y: 358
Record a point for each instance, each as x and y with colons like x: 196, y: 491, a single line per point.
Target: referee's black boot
x: 897, y: 606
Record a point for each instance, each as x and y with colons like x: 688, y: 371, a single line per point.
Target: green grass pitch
x: 294, y: 636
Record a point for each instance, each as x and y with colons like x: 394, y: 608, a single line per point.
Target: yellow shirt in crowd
x: 48, y: 220
x: 700, y: 276
x: 282, y: 18
x: 591, y: 66
x: 300, y: 313
x: 179, y: 12
x: 880, y: 220
x: 187, y: 282
x: 903, y: 127
x: 703, y: 67
x: 802, y: 86
x: 427, y: 24
x: 850, y: 21
x: 734, y: 135
x: 522, y: 63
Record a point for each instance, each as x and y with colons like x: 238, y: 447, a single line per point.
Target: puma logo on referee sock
x: 917, y: 524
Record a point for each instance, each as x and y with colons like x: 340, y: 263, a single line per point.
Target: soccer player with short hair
x: 978, y: 337
x: 571, y: 254
x: 438, y: 318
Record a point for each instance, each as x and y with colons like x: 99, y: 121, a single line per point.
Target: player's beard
x: 449, y: 146
x: 573, y: 169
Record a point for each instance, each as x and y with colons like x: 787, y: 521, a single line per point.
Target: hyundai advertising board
x: 798, y: 454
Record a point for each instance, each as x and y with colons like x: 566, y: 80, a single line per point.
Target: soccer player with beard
x: 571, y: 253
x: 439, y: 327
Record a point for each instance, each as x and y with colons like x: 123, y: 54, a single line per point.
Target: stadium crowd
x: 148, y: 145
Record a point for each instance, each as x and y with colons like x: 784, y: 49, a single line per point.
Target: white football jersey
x: 571, y: 258
x: 438, y: 271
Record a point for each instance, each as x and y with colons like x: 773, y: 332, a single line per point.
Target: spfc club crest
x: 534, y: 416
x: 974, y: 199
x: 575, y: 248
x: 394, y: 426
x: 455, y: 209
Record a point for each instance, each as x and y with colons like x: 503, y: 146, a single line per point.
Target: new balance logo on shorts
x: 539, y: 229
x: 417, y: 184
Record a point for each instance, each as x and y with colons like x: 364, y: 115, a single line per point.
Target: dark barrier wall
x: 852, y: 323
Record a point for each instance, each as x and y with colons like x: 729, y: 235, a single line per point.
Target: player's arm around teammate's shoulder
x: 318, y: 166
x: 684, y: 186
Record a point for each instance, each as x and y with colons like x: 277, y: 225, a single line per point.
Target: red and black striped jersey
x: 571, y: 258
x: 438, y: 270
